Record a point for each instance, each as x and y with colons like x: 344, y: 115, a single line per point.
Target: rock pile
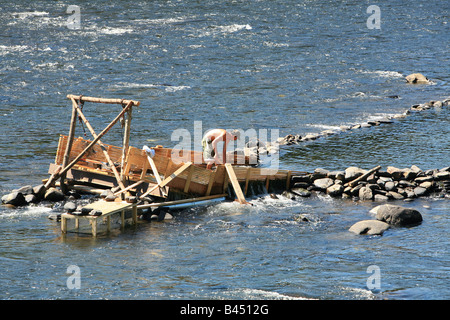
x: 292, y: 139
x: 374, y: 184
x: 29, y: 195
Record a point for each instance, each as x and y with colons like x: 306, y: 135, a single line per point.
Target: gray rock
x: 39, y: 191
x: 337, y: 175
x: 380, y: 198
x: 301, y: 192
x: 31, y: 198
x: 423, y: 179
x: 369, y: 227
x: 365, y: 193
x: 420, y: 191
x: 353, y: 173
x: 323, y: 183
x: 438, y: 104
x: 417, y: 78
x: 395, y: 173
x: 389, y: 186
x: 443, y: 175
x: 70, y: 206
x: 397, y: 215
x: 53, y: 194
x: 395, y: 195
x: 335, y: 190
x: 25, y: 190
x: 320, y: 173
x: 14, y: 199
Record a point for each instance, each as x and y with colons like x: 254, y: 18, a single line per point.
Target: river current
x: 291, y: 67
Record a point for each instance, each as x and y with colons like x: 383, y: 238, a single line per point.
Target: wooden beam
x: 169, y: 178
x: 363, y: 177
x: 103, y: 100
x: 210, y: 183
x: 188, y: 181
x: 134, y: 185
x: 235, y: 183
x: 247, y: 178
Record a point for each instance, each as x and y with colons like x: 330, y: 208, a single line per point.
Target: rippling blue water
x: 296, y: 66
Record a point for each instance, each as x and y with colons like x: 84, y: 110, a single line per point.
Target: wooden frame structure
x: 159, y: 173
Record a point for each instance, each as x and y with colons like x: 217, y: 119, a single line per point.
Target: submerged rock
x: 369, y: 227
x: 417, y: 78
x: 301, y: 192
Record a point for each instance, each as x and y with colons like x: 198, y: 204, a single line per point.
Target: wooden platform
x: 107, y: 208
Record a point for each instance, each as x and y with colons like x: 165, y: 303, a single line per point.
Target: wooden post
x: 235, y: 183
x: 94, y: 227
x: 288, y: 180
x: 134, y: 213
x: 247, y: 177
x: 63, y: 224
x: 69, y: 144
x: 126, y: 142
x: 210, y: 183
x: 188, y: 181
x: 55, y: 176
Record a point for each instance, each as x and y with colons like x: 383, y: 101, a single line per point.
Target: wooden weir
x: 159, y: 173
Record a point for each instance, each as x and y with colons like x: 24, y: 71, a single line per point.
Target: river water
x: 293, y: 66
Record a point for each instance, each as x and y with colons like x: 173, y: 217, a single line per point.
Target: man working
x: 210, y: 141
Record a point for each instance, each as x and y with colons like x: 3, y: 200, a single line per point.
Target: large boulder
x: 417, y: 78
x: 14, y: 199
x: 53, y: 194
x: 397, y: 215
x: 369, y: 227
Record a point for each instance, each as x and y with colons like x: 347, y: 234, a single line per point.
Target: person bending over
x: 210, y: 141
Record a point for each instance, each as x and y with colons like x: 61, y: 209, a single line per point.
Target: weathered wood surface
x: 103, y: 100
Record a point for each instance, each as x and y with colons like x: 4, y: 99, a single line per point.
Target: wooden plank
x: 210, y: 183
x: 189, y: 178
x: 235, y: 183
x: 169, y: 178
x: 247, y: 176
